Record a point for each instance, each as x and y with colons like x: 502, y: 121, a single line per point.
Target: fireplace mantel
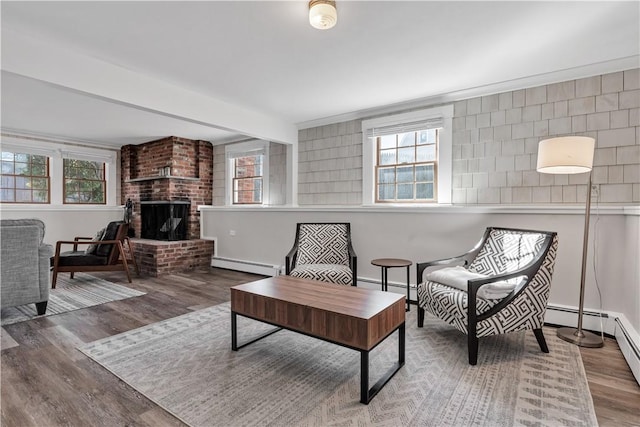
x: 153, y: 178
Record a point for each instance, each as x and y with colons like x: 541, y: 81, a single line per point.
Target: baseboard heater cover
x: 246, y: 266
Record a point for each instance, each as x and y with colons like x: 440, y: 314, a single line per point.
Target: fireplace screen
x: 163, y: 220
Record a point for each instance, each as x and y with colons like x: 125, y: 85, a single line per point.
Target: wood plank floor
x: 45, y: 381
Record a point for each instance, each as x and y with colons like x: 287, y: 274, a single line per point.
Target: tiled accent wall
x: 330, y: 165
x: 495, y: 141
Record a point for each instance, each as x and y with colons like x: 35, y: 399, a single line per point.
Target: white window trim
x: 445, y: 151
x: 56, y: 153
x: 247, y: 148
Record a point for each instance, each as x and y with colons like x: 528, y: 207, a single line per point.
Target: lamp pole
x: 573, y: 335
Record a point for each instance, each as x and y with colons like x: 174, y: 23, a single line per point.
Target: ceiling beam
x: 50, y: 63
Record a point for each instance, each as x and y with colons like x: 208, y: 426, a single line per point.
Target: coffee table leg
x: 234, y: 331
x: 408, y: 286
x: 366, y: 393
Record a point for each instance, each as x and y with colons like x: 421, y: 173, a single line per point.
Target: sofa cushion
x: 91, y: 249
x: 79, y: 258
x: 323, y: 244
x: 110, y: 234
x: 332, y: 273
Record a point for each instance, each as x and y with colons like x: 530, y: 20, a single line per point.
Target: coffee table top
x: 341, y: 299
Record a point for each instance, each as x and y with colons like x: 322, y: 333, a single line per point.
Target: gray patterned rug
x: 71, y: 294
x: 186, y: 366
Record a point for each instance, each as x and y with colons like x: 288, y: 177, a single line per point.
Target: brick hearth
x: 169, y: 169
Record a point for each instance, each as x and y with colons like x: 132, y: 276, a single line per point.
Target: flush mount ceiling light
x: 322, y: 14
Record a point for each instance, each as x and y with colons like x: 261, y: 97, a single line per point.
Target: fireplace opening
x: 165, y: 220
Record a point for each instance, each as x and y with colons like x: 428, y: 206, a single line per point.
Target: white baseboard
x: 246, y: 266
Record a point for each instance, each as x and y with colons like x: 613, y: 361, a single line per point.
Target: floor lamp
x: 571, y: 155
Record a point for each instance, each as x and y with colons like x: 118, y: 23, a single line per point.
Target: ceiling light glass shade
x: 322, y: 14
x: 566, y: 155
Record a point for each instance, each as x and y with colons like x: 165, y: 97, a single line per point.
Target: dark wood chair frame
x: 291, y: 258
x: 465, y: 259
x: 117, y: 259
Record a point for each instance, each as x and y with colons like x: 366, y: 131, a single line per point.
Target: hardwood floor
x: 45, y: 381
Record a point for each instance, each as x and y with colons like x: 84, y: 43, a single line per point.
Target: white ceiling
x: 265, y: 59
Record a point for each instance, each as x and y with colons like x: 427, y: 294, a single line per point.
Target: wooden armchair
x: 106, y: 254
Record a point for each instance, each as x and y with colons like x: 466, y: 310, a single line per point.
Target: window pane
x: 6, y: 155
x: 387, y: 141
x: 386, y: 175
x: 7, y: 195
x: 386, y: 192
x: 406, y: 139
x: 427, y: 136
x: 387, y: 157
x: 22, y: 168
x: 406, y: 155
x: 7, y: 182
x: 424, y: 173
x: 426, y: 153
x: 405, y: 174
x: 405, y: 191
x: 23, y: 196
x: 424, y: 191
x: 7, y: 167
x: 22, y: 182
x: 40, y: 196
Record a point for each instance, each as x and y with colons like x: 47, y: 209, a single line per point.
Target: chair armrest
x: 290, y: 259
x: 82, y: 238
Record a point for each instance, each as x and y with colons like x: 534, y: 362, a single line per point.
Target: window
x: 406, y: 167
x: 25, y: 178
x: 247, y: 180
x: 247, y: 173
x: 84, y: 182
x: 407, y: 157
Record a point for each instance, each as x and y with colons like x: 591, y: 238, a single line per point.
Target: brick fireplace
x: 169, y: 173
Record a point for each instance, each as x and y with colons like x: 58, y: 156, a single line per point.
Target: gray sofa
x: 24, y: 258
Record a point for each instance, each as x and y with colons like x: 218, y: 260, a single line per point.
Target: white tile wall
x: 495, y: 144
x: 605, y: 107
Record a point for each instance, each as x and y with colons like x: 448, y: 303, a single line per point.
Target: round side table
x: 386, y: 264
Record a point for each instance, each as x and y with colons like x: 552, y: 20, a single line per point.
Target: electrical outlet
x: 595, y: 190
x: 232, y: 233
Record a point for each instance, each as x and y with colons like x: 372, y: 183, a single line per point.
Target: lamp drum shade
x: 566, y: 155
x: 323, y: 14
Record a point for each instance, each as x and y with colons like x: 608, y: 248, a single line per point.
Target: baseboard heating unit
x: 245, y: 266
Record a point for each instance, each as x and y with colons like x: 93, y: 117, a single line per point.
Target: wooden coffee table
x: 355, y: 318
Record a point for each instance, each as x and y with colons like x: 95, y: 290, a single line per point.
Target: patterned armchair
x: 323, y: 251
x: 500, y: 286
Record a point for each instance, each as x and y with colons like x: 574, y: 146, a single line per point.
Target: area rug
x: 82, y: 291
x: 186, y: 366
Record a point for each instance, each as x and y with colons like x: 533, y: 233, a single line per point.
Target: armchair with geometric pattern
x: 500, y: 286
x: 323, y: 251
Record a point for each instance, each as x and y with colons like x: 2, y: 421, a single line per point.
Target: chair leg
x: 41, y: 307
x: 71, y: 275
x: 420, y: 317
x: 54, y: 279
x: 473, y: 349
x: 133, y: 257
x: 541, y: 341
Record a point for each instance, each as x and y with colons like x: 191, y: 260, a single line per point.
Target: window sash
x: 27, y: 181
x: 397, y: 184
x: 76, y: 189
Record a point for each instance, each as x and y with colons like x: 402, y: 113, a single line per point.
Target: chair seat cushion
x: 80, y: 258
x: 332, y: 273
x: 449, y: 304
x: 458, y: 277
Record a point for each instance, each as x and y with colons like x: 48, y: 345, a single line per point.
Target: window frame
x: 443, y: 190
x: 47, y: 177
x: 103, y: 181
x: 242, y: 149
x: 414, y: 164
x: 56, y: 151
x: 237, y: 179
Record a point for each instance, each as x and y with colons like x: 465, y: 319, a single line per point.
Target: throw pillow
x: 91, y: 249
